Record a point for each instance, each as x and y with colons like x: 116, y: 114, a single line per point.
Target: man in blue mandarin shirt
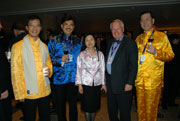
x: 64, y: 49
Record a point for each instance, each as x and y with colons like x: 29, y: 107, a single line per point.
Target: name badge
x: 109, y: 60
x: 28, y: 91
x: 70, y: 57
x: 142, y: 59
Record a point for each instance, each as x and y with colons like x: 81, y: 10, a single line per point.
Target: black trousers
x: 5, y: 110
x: 66, y: 92
x: 121, y: 102
x: 30, y: 106
x: 171, y: 89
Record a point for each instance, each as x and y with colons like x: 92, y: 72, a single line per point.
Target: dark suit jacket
x: 4, y: 72
x: 16, y: 39
x: 124, y: 66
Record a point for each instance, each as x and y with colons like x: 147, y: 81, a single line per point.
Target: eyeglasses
x: 34, y: 25
x: 147, y: 19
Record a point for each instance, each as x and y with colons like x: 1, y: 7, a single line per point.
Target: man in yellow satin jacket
x: 154, y: 50
x: 30, y: 68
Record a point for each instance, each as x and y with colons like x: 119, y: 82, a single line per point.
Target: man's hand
x: 46, y: 71
x: 128, y: 87
x: 151, y: 49
x: 4, y: 95
x: 65, y: 58
x: 22, y: 100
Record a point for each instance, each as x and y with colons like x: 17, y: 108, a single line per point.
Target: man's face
x: 34, y: 27
x: 117, y: 30
x: 147, y: 22
x: 68, y: 27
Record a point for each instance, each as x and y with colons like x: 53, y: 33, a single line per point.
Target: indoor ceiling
x: 93, y: 16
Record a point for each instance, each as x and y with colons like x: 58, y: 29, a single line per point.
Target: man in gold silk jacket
x: 30, y: 68
x: 154, y: 50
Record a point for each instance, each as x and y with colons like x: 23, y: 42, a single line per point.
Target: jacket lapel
x: 108, y: 48
x: 119, y: 51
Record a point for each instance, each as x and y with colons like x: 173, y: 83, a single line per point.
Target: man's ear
x: 41, y: 27
x: 153, y: 21
x: 61, y: 26
x: 27, y: 28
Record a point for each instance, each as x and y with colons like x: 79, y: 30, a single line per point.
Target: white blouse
x: 90, y: 69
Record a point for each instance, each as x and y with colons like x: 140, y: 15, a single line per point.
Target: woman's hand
x: 104, y: 88
x: 80, y: 89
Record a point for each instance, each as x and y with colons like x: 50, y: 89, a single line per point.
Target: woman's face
x: 89, y: 41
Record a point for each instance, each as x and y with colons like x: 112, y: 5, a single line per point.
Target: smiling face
x: 90, y: 41
x: 68, y: 27
x: 147, y: 22
x: 34, y: 28
x: 117, y: 30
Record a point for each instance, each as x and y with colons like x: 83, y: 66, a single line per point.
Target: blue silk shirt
x: 64, y: 72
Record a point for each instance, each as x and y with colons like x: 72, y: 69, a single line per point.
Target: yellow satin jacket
x: 151, y: 72
x: 17, y: 71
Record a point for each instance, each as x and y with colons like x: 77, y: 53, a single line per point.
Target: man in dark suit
x: 3, y: 37
x: 5, y: 101
x: 121, y: 73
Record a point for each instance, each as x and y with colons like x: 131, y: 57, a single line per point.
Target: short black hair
x: 67, y: 17
x: 33, y: 17
x: 144, y: 12
x: 18, y: 26
x: 173, y: 36
x: 51, y: 32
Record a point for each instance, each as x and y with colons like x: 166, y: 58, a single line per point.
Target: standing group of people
x: 88, y: 72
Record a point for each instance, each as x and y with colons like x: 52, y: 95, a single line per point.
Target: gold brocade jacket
x: 151, y: 72
x: 17, y: 71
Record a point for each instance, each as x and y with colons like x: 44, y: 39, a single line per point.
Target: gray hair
x: 117, y: 20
